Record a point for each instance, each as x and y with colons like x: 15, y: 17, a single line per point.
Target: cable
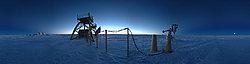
x: 139, y: 49
x: 135, y: 43
x: 133, y: 39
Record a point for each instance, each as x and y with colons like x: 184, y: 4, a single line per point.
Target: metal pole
x: 106, y: 41
x: 90, y: 34
x: 100, y: 38
x: 127, y: 42
x: 97, y: 41
x: 90, y: 42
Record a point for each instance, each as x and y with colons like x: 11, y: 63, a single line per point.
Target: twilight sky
x: 142, y: 16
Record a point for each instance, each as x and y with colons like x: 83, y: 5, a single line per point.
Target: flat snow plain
x: 58, y: 49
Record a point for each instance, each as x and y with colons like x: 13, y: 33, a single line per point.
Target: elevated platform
x: 85, y: 20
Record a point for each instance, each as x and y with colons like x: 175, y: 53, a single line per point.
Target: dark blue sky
x: 193, y: 16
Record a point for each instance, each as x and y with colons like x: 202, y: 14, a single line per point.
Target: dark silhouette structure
x: 169, y: 37
x: 174, y: 28
x: 89, y: 28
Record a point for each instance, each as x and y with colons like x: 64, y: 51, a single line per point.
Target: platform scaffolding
x: 88, y: 31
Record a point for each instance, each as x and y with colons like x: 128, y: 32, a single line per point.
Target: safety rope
x: 133, y: 39
x: 115, y: 31
x: 139, y: 49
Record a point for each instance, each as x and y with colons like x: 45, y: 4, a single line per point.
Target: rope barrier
x: 133, y: 39
x: 139, y: 49
x: 115, y: 31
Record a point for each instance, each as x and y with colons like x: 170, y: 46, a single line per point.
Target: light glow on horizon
x: 112, y: 28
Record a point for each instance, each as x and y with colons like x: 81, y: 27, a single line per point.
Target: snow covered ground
x: 58, y: 49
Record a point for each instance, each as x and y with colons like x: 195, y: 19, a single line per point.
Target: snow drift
x: 58, y: 49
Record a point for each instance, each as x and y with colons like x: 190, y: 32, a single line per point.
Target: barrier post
x: 154, y: 43
x: 106, y: 41
x: 168, y: 48
x: 100, y: 38
x: 90, y: 42
x: 127, y: 42
x: 97, y: 41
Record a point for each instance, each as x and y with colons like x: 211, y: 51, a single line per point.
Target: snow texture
x: 58, y: 49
